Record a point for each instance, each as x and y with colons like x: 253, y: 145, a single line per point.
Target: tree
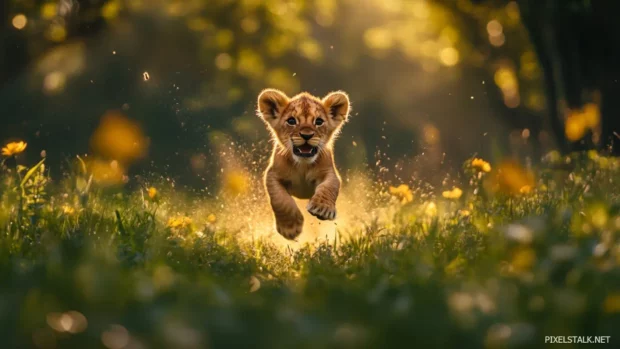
x: 578, y: 46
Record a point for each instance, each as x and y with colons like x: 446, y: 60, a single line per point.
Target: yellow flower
x: 526, y: 189
x: 575, y: 128
x: 179, y: 222
x: 481, y: 165
x: 580, y: 121
x: 211, y: 218
x: 453, y: 194
x: 14, y: 148
x: 402, y: 192
x: 152, y: 193
x: 68, y: 210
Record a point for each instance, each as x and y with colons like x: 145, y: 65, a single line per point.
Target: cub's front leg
x: 322, y: 205
x: 289, y: 220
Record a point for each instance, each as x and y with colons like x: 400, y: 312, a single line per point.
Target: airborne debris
x: 146, y: 76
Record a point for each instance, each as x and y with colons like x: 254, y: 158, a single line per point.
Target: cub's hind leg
x: 289, y: 220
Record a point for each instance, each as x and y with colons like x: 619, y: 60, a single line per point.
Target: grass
x: 517, y: 256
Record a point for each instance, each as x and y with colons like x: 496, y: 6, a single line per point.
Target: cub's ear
x: 271, y: 102
x: 337, y: 103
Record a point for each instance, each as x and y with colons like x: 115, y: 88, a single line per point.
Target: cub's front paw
x: 322, y: 210
x: 290, y: 228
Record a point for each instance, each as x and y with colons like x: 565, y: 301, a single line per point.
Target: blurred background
x: 432, y: 82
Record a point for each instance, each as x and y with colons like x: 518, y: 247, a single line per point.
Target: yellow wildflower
x: 580, y: 121
x: 526, y: 189
x: 152, y: 192
x: 402, y: 192
x: 575, y: 128
x: 68, y: 210
x: 211, y: 218
x: 14, y: 148
x: 453, y: 194
x: 179, y: 222
x: 481, y: 165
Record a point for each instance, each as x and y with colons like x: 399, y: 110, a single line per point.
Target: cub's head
x: 304, y: 125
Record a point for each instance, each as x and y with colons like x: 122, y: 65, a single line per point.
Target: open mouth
x: 305, y: 151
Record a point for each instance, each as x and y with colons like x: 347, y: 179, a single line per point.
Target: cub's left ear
x: 337, y: 103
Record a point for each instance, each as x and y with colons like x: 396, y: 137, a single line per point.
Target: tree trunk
x: 608, y: 30
x: 577, y: 46
x: 536, y: 18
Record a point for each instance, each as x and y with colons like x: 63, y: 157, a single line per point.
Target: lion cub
x: 303, y: 130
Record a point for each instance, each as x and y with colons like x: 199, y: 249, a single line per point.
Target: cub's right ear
x: 271, y: 103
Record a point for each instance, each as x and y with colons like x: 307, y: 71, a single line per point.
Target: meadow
x: 514, y: 254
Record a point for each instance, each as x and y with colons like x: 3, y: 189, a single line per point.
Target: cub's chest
x: 300, y: 185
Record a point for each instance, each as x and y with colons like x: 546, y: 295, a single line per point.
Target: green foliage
x: 32, y: 188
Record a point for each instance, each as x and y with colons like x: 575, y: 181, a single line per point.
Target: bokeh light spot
x: 378, y: 38
x: 19, y: 21
x: 223, y: 61
x: 49, y: 10
x: 54, y: 82
x: 449, y: 56
x: 119, y: 138
x: 57, y: 33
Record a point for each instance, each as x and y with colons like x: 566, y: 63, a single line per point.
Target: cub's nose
x: 306, y: 136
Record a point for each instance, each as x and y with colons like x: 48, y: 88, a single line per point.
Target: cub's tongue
x: 306, y: 148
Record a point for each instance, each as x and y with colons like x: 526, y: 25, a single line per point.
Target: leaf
x: 82, y: 164
x: 31, y: 172
x: 119, y: 221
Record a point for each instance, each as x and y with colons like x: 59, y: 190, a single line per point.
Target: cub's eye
x: 318, y: 122
x: 291, y: 121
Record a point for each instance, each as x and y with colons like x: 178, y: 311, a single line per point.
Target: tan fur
x: 288, y: 174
